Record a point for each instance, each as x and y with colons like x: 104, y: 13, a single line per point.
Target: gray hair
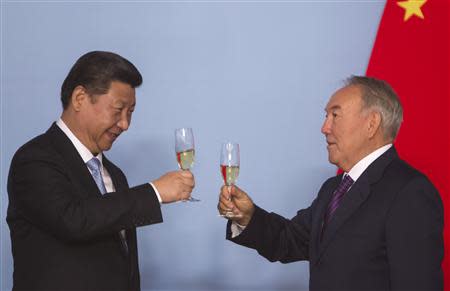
x: 378, y: 95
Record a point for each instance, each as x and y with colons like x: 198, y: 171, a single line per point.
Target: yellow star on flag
x: 412, y: 7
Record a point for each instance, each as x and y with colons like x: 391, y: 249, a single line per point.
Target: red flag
x: 411, y: 53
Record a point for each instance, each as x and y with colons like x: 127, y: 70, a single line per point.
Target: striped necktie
x: 95, y: 165
x: 336, y: 199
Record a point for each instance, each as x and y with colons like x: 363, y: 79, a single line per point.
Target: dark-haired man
x: 71, y: 213
x: 376, y: 227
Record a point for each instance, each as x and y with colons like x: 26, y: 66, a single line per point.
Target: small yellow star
x: 412, y: 7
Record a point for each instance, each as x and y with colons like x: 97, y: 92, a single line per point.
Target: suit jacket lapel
x: 322, y: 203
x: 357, y: 194
x: 73, y: 159
x: 352, y: 200
x: 119, y: 185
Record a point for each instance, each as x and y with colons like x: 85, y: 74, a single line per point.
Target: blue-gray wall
x: 255, y: 72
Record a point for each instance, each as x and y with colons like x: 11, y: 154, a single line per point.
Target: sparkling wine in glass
x: 229, y: 167
x: 185, y: 151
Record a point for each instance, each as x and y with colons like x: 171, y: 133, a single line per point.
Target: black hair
x: 95, y: 71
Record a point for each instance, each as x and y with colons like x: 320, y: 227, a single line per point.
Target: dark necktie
x: 338, y: 194
x: 95, y: 165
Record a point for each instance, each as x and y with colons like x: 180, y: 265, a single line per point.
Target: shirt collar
x: 357, y: 170
x: 84, y: 152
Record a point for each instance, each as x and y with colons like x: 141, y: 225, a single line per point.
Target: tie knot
x: 94, y: 164
x: 345, y: 183
x: 336, y: 198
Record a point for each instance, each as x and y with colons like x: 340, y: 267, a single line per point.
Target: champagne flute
x: 185, y: 150
x: 229, y: 168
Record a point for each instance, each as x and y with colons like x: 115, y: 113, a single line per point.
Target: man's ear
x: 374, y: 123
x: 79, y: 95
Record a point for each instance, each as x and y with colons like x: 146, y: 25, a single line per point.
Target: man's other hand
x: 233, y: 199
x: 175, y: 186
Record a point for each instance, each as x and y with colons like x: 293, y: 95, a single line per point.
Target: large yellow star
x: 412, y: 7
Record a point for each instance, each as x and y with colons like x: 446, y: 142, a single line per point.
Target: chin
x: 105, y: 148
x: 333, y: 160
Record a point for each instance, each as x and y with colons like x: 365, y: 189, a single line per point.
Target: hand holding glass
x: 185, y: 150
x: 229, y: 167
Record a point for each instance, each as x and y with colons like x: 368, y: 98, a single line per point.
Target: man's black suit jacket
x: 385, y: 235
x: 64, y: 233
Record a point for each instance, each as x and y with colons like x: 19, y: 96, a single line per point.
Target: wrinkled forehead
x: 345, y: 98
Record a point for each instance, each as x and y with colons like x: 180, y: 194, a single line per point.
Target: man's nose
x: 124, y: 123
x: 326, y: 128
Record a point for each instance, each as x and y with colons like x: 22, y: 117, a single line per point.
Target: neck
x: 74, y: 125
x: 364, y: 153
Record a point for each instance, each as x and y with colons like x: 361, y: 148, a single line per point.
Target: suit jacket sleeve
x: 414, y: 237
x: 43, y: 192
x: 275, y: 237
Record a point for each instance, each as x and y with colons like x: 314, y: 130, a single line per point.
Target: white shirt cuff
x: 157, y: 193
x: 236, y: 229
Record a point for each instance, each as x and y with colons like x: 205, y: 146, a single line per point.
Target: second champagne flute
x: 229, y: 167
x: 185, y: 150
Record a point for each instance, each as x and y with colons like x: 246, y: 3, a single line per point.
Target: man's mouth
x: 329, y: 144
x: 113, y: 135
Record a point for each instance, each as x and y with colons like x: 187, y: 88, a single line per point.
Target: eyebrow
x: 333, y: 108
x: 120, y: 103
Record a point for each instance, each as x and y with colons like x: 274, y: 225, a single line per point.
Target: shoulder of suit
x: 400, y: 175
x: 402, y: 170
x: 40, y: 145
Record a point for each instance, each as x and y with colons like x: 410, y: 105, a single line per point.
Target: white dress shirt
x: 357, y: 170
x: 354, y: 173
